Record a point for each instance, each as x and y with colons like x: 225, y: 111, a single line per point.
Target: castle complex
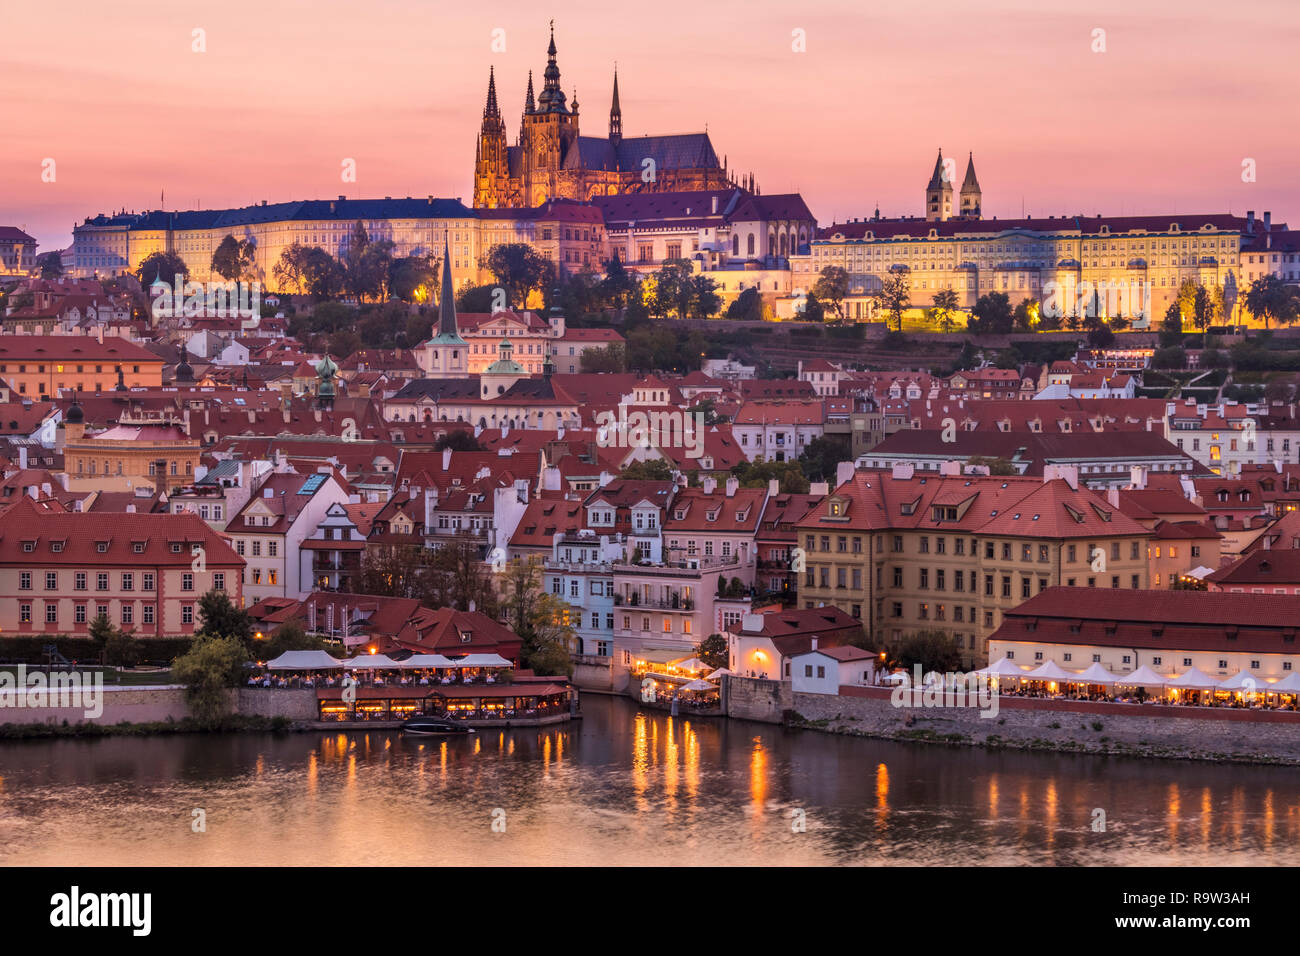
x: 553, y: 160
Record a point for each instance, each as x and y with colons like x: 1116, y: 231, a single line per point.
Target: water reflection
x: 624, y: 785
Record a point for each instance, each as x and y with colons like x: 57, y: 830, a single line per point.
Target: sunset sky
x: 288, y: 89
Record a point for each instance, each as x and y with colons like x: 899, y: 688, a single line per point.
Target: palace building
x: 552, y: 159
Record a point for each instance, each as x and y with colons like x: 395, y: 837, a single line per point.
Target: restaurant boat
x: 434, y: 727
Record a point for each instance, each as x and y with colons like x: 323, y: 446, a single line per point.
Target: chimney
x: 1138, y: 477
x: 773, y: 487
x: 814, y: 644
x: 902, y: 471
x: 844, y: 472
x: 950, y: 468
x: 1268, y: 220
x: 1250, y: 220
x: 22, y: 457
x: 715, y: 206
x: 732, y: 485
x: 1112, y: 496
x: 268, y: 492
x: 709, y: 485
x: 819, y: 489
x: 446, y: 458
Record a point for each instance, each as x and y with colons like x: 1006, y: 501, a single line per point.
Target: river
x: 624, y: 786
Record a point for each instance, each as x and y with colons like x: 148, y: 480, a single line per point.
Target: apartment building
x: 60, y: 570
x: 905, y: 551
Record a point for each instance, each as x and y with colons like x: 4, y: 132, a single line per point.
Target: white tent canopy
x: 720, y: 673
x: 690, y: 664
x: 378, y: 662
x: 1003, y: 668
x: 426, y: 660
x: 305, y: 661
x: 1096, y: 674
x: 1194, y: 679
x: 698, y: 685
x: 1290, y: 684
x: 480, y: 660
x: 1243, y: 680
x: 1050, y: 670
x: 1142, y: 677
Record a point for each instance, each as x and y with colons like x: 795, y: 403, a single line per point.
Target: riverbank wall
x: 162, y: 704
x: 1095, y: 727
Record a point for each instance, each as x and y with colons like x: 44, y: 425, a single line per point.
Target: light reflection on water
x: 624, y: 786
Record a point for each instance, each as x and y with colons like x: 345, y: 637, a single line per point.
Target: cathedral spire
x: 491, y: 110
x: 528, y: 97
x: 615, y: 116
x: 447, y: 297
x: 551, y: 99
x: 936, y: 178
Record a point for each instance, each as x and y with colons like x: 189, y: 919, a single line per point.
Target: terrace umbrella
x: 1244, y: 680
x: 1003, y: 668
x: 1050, y: 670
x: 1096, y: 674
x: 720, y: 673
x: 1142, y: 677
x: 698, y: 685
x: 305, y: 661
x: 690, y: 664
x: 1194, y: 679
x: 377, y: 662
x: 426, y: 660
x: 1290, y: 684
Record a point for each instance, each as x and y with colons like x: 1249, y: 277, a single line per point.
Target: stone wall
x: 135, y: 705
x: 1034, y: 724
x: 293, y: 703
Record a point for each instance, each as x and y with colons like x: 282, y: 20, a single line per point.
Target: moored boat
x: 434, y: 727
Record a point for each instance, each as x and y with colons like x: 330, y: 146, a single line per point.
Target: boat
x: 434, y: 727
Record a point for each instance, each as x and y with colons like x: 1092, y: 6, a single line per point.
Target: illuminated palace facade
x: 953, y: 247
x: 553, y: 160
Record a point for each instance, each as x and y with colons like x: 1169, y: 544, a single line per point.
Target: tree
x: 757, y: 474
x: 1022, y: 319
x: 992, y: 314
x: 519, y: 269
x: 208, y: 670
x: 895, y: 298
x: 1269, y: 298
x: 654, y: 469
x: 611, y: 358
x: 290, y: 270
x: 619, y: 287
x: 50, y: 264
x: 1171, y: 328
x: 161, y: 265
x: 705, y: 300
x: 458, y: 441
x: 1171, y: 356
x: 122, y: 649
x: 747, y: 306
x: 934, y: 650
x: 813, y: 311
x: 1186, y: 299
x: 1101, y: 337
x: 322, y: 274
x: 233, y: 258
x: 413, y: 279
x: 945, y: 307
x: 454, y: 575
x: 713, y: 650
x: 476, y: 298
x: 832, y: 288
x: 672, y: 289
x: 820, y: 459
x: 218, y: 617
x: 541, y: 620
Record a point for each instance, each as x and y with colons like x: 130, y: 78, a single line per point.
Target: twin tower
x: 938, y: 194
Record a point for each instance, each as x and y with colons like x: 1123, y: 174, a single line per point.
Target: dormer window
x: 56, y: 546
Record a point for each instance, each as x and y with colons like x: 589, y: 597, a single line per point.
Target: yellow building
x: 45, y: 365
x: 908, y: 552
x: 133, y: 454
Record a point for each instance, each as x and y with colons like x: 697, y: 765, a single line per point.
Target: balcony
x: 673, y: 603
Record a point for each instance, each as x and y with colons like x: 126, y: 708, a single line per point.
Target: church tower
x: 549, y: 131
x: 491, y: 170
x: 615, y: 117
x: 447, y: 353
x: 938, y: 194
x: 970, y: 192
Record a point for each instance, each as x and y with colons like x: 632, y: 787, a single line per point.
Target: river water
x: 624, y: 786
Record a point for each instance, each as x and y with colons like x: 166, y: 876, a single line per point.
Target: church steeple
x: 938, y: 193
x: 528, y: 97
x: 615, y: 117
x: 970, y: 191
x: 491, y: 111
x: 447, y: 327
x: 551, y: 99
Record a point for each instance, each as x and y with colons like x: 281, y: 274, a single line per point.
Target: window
x: 51, y: 612
x: 24, y: 580
x: 187, y: 582
x: 128, y: 581
x: 272, y: 548
x: 79, y: 581
x: 187, y: 613
x: 24, y: 614
x: 101, y: 581
x: 146, y: 581
x: 79, y: 614
x: 219, y: 580
x: 51, y: 580
x: 128, y: 614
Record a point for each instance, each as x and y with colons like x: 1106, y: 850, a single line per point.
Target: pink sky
x: 289, y: 88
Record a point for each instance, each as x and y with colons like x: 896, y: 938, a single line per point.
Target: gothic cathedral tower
x: 938, y: 194
x: 549, y: 130
x: 491, y: 168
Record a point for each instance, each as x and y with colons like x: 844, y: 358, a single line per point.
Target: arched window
x: 784, y: 239
x: 750, y: 245
x: 735, y: 244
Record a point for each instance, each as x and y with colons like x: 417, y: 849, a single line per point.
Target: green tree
x: 747, y: 306
x: 832, y: 288
x: 1271, y: 299
x: 234, y: 258
x: 290, y: 270
x: 322, y: 274
x: 164, y: 265
x: 218, y: 617
x: 821, y: 458
x: 458, y: 441
x: 519, y: 269
x: 1022, y: 319
x: 50, y: 264
x: 934, y: 650
x: 996, y: 466
x: 611, y: 358
x: 541, y: 620
x: 992, y: 314
x: 475, y: 298
x: 413, y: 279
x: 757, y: 474
x: 619, y: 287
x: 1186, y: 299
x: 895, y: 298
x: 813, y: 310
x: 713, y: 650
x: 654, y: 469
x: 705, y: 301
x: 122, y: 649
x: 945, y: 309
x: 208, y: 670
x: 1171, y: 328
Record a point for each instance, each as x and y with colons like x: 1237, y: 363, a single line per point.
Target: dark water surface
x: 624, y: 786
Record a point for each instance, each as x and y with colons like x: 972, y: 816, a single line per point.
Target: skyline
x: 430, y: 69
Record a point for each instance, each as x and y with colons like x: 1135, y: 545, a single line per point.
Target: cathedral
x: 553, y: 160
x: 938, y: 193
